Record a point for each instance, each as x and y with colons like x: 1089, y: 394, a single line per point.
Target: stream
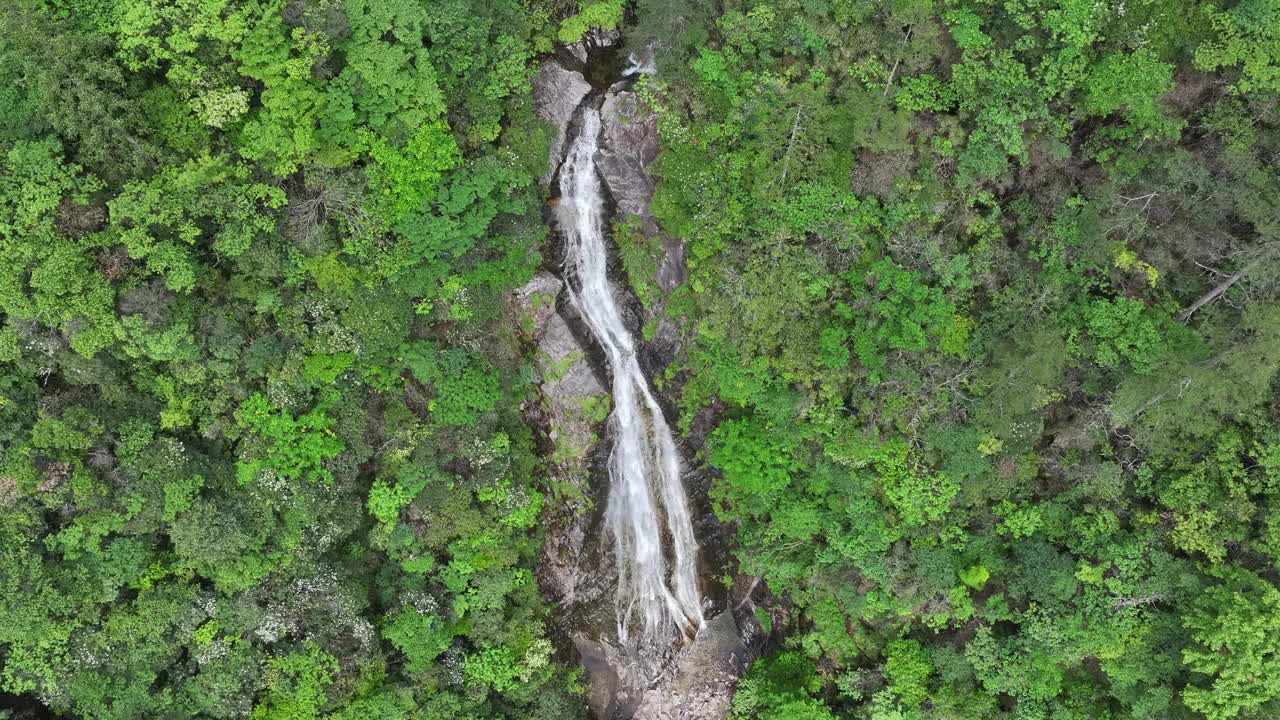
x: 648, y: 512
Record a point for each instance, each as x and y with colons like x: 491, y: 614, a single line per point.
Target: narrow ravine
x: 629, y: 539
x: 648, y: 513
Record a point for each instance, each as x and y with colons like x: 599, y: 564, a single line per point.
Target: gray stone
x: 595, y: 38
x: 696, y: 683
x: 629, y: 144
x: 566, y: 371
x: 557, y: 92
x: 569, y: 384
x: 537, y: 302
x: 671, y: 266
x: 703, y: 677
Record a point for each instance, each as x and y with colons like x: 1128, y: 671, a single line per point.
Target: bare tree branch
x: 1218, y: 290
x: 892, y: 73
x: 1138, y: 601
x: 791, y: 141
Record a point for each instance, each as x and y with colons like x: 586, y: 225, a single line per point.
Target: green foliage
x: 975, y: 577
x: 296, y: 685
x: 387, y: 501
x: 1232, y: 625
x: 908, y: 670
x: 291, y: 448
x: 1018, y: 521
x: 1124, y: 331
x: 780, y: 688
x: 921, y: 93
x: 465, y: 389
x: 219, y: 219
x: 1244, y: 36
x: 48, y: 276
x: 402, y: 179
x: 325, y: 368
x: 1131, y: 84
x: 161, y: 219
x: 904, y: 314
x: 966, y: 30
x: 493, y: 667
x: 919, y: 496
x: 421, y: 637
x: 1006, y: 666
x: 754, y: 457
x: 284, y: 132
x: 592, y: 15
x: 958, y: 397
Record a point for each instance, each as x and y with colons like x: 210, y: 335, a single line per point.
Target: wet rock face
x: 557, y: 93
x: 629, y: 144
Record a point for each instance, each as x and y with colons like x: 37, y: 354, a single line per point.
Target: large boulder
x: 703, y: 677
x: 557, y: 93
x: 696, y: 683
x: 595, y: 38
x: 629, y: 143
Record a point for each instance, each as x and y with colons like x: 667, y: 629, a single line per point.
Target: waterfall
x: 656, y: 588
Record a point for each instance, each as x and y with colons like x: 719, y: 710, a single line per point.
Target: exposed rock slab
x: 557, y: 92
x: 671, y: 265
x: 536, y: 302
x: 562, y: 360
x: 571, y: 402
x: 570, y: 387
x: 629, y: 145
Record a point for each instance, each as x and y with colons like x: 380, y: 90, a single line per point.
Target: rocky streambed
x: 644, y: 678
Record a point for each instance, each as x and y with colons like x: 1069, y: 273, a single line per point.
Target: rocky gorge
x: 648, y: 678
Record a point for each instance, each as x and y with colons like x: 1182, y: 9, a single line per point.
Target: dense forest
x: 978, y: 341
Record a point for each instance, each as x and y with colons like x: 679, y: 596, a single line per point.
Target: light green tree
x: 1233, y: 625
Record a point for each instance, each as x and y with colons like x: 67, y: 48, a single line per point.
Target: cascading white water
x: 646, y: 496
x: 640, y: 66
